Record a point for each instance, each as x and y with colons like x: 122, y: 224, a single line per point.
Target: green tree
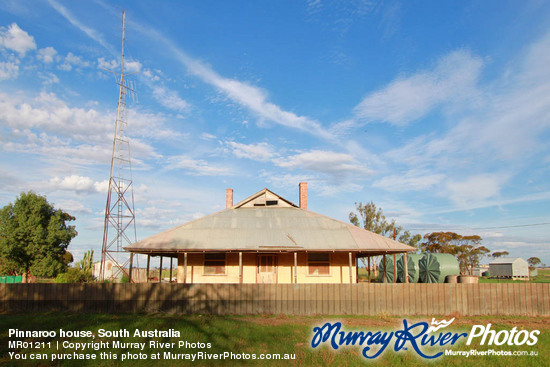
x: 533, y: 261
x: 67, y: 258
x: 34, y: 237
x: 467, y: 249
x: 499, y: 254
x: 371, y: 218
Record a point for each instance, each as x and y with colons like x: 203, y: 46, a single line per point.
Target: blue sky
x: 437, y: 112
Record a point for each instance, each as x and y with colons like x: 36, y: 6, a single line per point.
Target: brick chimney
x: 303, y: 195
x: 228, y: 198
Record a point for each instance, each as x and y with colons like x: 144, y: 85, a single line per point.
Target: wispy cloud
x: 413, y: 180
x: 198, y: 167
x: 257, y: 152
x: 334, y: 164
x: 170, y: 99
x: 90, y: 32
x: 9, y: 69
x: 409, y: 98
x: 243, y: 93
x: 508, y: 124
x: 72, y: 60
x: 475, y: 189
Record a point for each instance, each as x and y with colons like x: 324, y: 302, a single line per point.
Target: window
x: 267, y: 264
x: 318, y: 263
x: 214, y: 264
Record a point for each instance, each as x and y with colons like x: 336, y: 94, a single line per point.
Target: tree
x: 467, y: 249
x: 533, y: 261
x: 67, y: 258
x: 34, y: 237
x: 371, y: 218
x: 499, y: 254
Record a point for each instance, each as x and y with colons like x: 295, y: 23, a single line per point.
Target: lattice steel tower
x: 120, y: 225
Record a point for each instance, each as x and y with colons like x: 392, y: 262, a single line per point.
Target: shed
x: 509, y: 267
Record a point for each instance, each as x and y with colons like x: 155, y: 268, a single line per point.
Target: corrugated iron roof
x: 506, y: 260
x: 265, y: 229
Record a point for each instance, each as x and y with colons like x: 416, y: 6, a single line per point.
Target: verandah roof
x: 268, y: 229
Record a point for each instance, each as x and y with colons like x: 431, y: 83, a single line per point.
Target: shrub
x: 74, y: 275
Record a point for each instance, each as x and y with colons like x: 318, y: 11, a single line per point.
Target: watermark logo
x: 436, y: 325
x: 419, y: 336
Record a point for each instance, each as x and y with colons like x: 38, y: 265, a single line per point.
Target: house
x: 267, y: 239
x: 509, y: 267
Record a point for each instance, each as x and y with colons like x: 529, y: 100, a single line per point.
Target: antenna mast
x: 120, y: 226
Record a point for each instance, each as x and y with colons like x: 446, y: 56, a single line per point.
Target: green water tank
x: 433, y: 268
x: 387, y: 273
x: 412, y: 266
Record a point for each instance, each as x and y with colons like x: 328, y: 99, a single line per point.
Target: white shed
x: 509, y: 267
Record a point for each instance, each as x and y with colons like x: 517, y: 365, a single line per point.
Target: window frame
x: 328, y: 262
x: 214, y: 260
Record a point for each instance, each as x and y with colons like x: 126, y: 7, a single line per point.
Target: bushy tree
x: 533, y: 261
x: 34, y: 237
x: 371, y: 218
x: 498, y: 254
x: 467, y: 249
x: 74, y: 275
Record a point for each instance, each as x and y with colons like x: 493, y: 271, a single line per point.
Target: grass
x: 263, y: 334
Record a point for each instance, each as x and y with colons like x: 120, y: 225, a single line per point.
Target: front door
x: 267, y: 269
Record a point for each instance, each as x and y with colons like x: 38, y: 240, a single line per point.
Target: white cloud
x: 9, y: 70
x: 72, y: 60
x: 196, y: 166
x: 47, y: 54
x: 78, y: 184
x: 475, y: 188
x: 73, y: 206
x: 410, y: 181
x: 207, y: 136
x: 151, y: 75
x: 409, y: 98
x: 328, y: 162
x: 47, y: 126
x: 170, y: 99
x: 87, y: 30
x: 50, y: 114
x: 132, y: 66
x: 16, y: 39
x: 48, y: 78
x: 246, y: 95
x: 508, y: 125
x: 257, y: 152
x: 316, y: 184
x: 107, y: 64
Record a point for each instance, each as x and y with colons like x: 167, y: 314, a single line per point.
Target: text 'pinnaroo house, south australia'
x: 267, y: 239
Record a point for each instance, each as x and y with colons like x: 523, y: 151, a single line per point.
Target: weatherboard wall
x: 339, y: 270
